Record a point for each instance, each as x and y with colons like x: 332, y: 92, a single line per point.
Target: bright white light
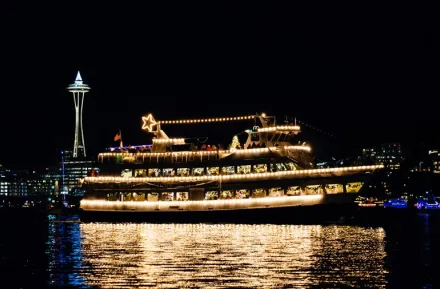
x: 204, y: 205
x: 251, y: 176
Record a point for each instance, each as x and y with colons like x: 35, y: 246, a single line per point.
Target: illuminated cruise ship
x: 177, y: 178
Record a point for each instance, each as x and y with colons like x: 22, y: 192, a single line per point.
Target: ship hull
x: 331, y: 208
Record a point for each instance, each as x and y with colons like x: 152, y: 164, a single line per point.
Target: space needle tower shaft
x: 78, y: 89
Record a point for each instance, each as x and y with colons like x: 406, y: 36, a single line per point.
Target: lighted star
x: 149, y: 122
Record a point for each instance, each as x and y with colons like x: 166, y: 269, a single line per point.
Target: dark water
x: 40, y: 253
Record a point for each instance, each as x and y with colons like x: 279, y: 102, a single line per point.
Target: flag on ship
x: 118, y: 137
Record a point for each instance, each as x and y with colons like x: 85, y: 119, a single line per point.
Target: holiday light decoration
x: 234, y: 144
x: 251, y: 176
x: 149, y: 122
x: 169, y: 140
x: 204, y: 120
x: 220, y: 152
x: 279, y: 128
x: 203, y: 205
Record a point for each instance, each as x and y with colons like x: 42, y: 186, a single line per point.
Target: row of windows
x: 13, y: 194
x: 238, y: 193
x: 209, y: 171
x: 213, y: 194
x: 140, y: 159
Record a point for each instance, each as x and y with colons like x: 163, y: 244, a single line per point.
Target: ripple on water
x: 216, y: 255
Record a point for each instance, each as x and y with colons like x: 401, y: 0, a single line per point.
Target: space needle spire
x: 78, y: 89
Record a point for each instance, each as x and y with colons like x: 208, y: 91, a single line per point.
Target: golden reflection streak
x: 231, y: 255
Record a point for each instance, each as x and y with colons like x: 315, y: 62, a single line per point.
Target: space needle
x: 78, y: 89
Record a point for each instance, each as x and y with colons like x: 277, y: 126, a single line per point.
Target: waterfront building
x: 434, y: 161
x: 24, y: 183
x: 390, y: 155
x: 72, y: 170
x: 369, y: 156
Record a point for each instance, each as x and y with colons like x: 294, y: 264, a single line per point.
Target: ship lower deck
x: 278, y: 210
x: 321, y: 213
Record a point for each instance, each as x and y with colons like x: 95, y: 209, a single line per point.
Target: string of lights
x: 315, y: 128
x: 244, y: 151
x: 204, y: 120
x: 250, y: 176
x: 173, y: 187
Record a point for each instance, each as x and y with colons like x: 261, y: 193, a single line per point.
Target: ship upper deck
x: 199, y: 156
x: 265, y: 143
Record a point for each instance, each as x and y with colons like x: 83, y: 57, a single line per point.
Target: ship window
x: 255, y: 137
x: 277, y: 167
x: 183, y: 172
x: 354, y: 187
x: 152, y: 197
x: 227, y: 194
x: 260, y: 168
x: 128, y: 197
x: 281, y: 167
x: 140, y: 173
x: 294, y: 191
x: 334, y: 188
x: 213, y: 171
x: 168, y: 172
x: 211, y: 195
x: 139, y: 159
x: 229, y: 170
x: 259, y: 193
x: 245, y: 169
x: 113, y: 197
x: 313, y: 190
x: 198, y: 171
x: 290, y: 166
x: 126, y: 173
x: 128, y: 159
x: 242, y: 194
x: 182, y: 196
x: 138, y: 197
x: 276, y: 192
x: 154, y: 172
x: 167, y: 196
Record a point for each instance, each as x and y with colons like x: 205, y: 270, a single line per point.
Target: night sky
x: 364, y: 74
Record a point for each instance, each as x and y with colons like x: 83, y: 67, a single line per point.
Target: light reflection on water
x: 217, y: 255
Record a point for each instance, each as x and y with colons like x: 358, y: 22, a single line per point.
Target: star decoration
x: 149, y: 122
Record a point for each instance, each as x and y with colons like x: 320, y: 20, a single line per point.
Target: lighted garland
x: 221, y: 152
x: 215, y: 119
x: 149, y: 122
x: 251, y: 176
